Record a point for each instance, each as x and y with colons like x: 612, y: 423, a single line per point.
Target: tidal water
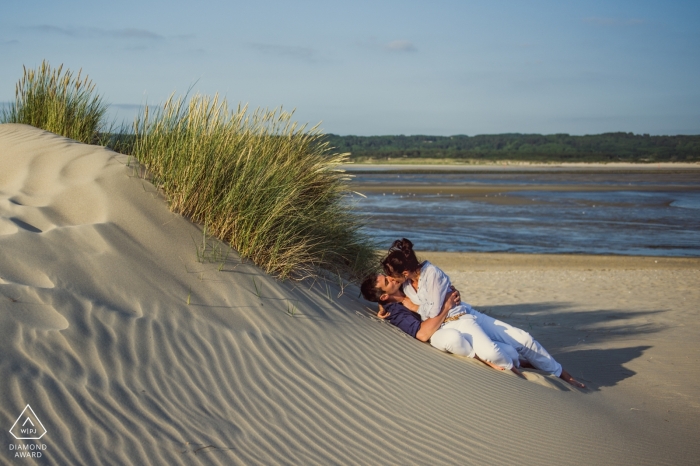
x: 656, y: 214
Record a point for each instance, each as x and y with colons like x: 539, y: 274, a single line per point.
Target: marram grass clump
x: 268, y: 187
x: 57, y: 101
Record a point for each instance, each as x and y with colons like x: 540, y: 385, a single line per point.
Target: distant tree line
x: 607, y: 147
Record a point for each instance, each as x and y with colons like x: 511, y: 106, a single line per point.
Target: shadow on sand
x: 569, y: 334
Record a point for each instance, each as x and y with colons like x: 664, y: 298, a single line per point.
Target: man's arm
x: 430, y: 326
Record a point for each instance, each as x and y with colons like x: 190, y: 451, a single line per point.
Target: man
x: 387, y: 292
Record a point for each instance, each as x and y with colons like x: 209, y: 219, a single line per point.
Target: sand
x: 130, y: 351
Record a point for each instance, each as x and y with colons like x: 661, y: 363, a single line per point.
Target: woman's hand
x: 455, y: 296
x: 451, y: 300
x: 382, y: 314
x: 459, y: 296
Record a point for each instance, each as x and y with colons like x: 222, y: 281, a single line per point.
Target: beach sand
x: 130, y: 351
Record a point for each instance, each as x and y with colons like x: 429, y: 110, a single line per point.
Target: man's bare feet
x: 517, y: 372
x: 566, y: 377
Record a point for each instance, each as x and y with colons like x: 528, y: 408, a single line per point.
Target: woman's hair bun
x: 403, y: 245
x: 400, y: 258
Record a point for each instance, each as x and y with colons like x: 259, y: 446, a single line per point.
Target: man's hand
x: 382, y: 314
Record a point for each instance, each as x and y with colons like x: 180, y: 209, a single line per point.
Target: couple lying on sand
x: 418, y: 298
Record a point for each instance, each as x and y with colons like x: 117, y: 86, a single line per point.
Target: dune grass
x: 258, y: 181
x: 58, y: 101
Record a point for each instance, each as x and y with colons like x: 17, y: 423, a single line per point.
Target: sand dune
x: 130, y: 351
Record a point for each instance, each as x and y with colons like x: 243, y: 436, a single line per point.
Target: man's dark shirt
x: 403, y: 318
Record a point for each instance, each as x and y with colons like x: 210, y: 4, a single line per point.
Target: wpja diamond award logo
x: 28, y: 427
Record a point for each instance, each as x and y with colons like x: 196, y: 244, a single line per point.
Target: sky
x: 382, y: 67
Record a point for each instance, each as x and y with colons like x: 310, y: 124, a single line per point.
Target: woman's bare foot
x: 517, y: 372
x: 498, y: 368
x: 566, y: 377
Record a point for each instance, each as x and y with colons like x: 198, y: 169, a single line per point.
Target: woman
x: 426, y: 286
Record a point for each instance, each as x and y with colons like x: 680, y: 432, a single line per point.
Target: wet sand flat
x: 515, y: 167
x: 499, y: 194
x: 540, y: 212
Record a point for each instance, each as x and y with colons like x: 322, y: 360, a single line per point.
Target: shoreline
x: 443, y: 165
x: 483, y: 189
x: 651, y: 214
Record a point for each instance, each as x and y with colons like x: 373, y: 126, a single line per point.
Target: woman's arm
x: 409, y: 304
x: 434, y: 286
x: 430, y: 326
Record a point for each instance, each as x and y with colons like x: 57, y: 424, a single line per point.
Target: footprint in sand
x: 24, y: 225
x: 70, y: 205
x: 16, y: 218
x: 22, y: 199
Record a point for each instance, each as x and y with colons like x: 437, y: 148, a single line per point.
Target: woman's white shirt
x: 433, y: 286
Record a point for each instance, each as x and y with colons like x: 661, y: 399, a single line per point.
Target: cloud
x: 131, y: 33
x: 401, y: 46
x: 124, y: 33
x: 47, y: 29
x: 605, y: 21
x: 290, y: 51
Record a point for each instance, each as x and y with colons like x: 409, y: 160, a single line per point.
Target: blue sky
x: 383, y: 67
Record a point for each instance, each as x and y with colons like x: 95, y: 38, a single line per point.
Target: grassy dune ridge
x: 258, y: 180
x: 60, y: 102
x: 269, y: 187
